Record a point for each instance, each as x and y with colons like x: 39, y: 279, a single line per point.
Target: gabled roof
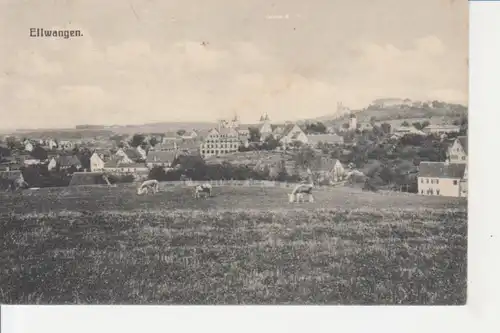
x: 68, y: 161
x: 160, y: 156
x: 287, y: 129
x: 118, y: 163
x: 464, y: 142
x: 441, y: 170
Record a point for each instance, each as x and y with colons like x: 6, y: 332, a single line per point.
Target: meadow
x: 98, y: 245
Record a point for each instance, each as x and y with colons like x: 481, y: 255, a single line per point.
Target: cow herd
x: 301, y: 192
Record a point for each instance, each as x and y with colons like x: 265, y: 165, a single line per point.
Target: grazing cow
x: 149, y: 185
x: 302, y: 190
x: 205, y: 189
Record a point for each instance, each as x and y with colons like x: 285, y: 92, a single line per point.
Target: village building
x: 442, y: 179
x: 52, y: 165
x: 129, y: 155
x: 404, y: 130
x: 293, y: 133
x: 122, y: 166
x: 391, y: 102
x: 28, y: 146
x: 332, y: 139
x: 458, y: 151
x: 353, y: 122
x: 441, y: 129
x: 66, y: 145
x: 96, y: 162
x: 65, y: 162
x: 265, y: 127
x: 141, y: 152
x: 220, y: 142
x: 160, y: 159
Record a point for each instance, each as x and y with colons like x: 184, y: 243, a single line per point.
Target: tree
x: 157, y: 173
x: 84, y: 157
x: 137, y: 140
x: 373, y: 119
x: 153, y: 141
x: 417, y: 125
x: 386, y: 128
x: 254, y: 134
x: 181, y: 132
x: 345, y: 125
x: 405, y: 124
x: 270, y: 143
x: 425, y: 123
x: 39, y: 153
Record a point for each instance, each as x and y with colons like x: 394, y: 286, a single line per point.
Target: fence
x: 242, y: 183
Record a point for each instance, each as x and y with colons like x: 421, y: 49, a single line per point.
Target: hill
x: 442, y: 114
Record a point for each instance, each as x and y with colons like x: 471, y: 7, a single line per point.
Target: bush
x: 118, y: 179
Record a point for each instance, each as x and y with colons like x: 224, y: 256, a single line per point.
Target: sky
x: 142, y: 61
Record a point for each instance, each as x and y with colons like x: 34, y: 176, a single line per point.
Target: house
x: 122, y: 166
x: 189, y: 135
x: 391, y: 102
x: 458, y: 152
x: 442, y: 178
x: 66, y: 145
x: 353, y: 122
x: 129, y: 155
x: 170, y: 136
x: 330, y: 169
x: 220, y: 142
x: 160, y: 158
x: 186, y: 146
x: 441, y: 129
x: 67, y: 161
x: 165, y: 146
x: 404, y: 130
x: 141, y: 152
x: 265, y: 127
x: 293, y: 133
x: 365, y: 126
x: 52, y: 164
x: 31, y: 161
x: 333, y: 139
x: 96, y: 162
x: 28, y: 146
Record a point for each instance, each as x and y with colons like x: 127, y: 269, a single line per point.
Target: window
x: 437, y: 181
x: 422, y: 192
x: 437, y: 192
x: 455, y: 182
x: 422, y: 180
x: 463, y: 158
x: 432, y: 181
x: 427, y: 180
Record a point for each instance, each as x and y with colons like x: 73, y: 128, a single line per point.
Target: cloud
x: 137, y: 81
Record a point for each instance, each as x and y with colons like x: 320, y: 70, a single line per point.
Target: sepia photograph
x: 234, y: 152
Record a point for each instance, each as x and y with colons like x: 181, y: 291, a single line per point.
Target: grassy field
x: 243, y: 246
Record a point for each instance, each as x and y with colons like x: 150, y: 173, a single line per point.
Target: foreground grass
x: 320, y: 256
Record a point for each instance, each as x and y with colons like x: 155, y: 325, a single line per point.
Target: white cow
x: 205, y: 189
x: 302, y: 190
x: 149, y: 185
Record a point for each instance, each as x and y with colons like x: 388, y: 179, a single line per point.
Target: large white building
x: 448, y: 178
x: 219, y: 142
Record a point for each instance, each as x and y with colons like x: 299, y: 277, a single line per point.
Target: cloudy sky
x: 145, y: 61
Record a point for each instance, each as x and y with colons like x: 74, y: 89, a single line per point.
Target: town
x: 421, y: 157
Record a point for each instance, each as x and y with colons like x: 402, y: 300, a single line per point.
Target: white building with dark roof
x: 442, y: 179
